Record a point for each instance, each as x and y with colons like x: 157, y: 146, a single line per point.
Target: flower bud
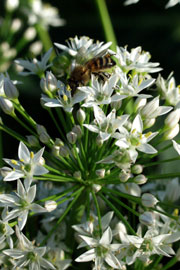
x: 50, y: 205
x: 11, y: 5
x: 173, y: 190
x: 96, y: 187
x: 140, y: 179
x: 172, y: 119
x: 59, y: 142
x: 77, y: 174
x: 116, y: 104
x: 81, y: 116
x: 124, y: 176
x: 99, y: 141
x: 171, y: 133
x: 100, y: 173
x: 10, y: 89
x: 7, y: 106
x: 139, y: 103
x: 63, y: 151
x: 147, y: 218
x: 147, y: 123
x: 137, y: 169
x: 148, y: 200
x: 32, y: 140
x: 36, y: 47
x: 77, y: 129
x: 151, y: 109
x: 43, y: 135
x: 72, y: 137
x: 30, y: 33
x: 49, y: 83
x: 16, y: 25
x: 55, y: 150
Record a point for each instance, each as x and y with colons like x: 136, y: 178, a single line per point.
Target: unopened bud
x: 116, y: 104
x: 32, y: 140
x: 55, y: 150
x: 30, y: 33
x: 63, y: 151
x: 140, y: 179
x: 172, y: 119
x: 147, y: 123
x: 99, y: 141
x: 7, y: 106
x: 124, y: 176
x: 100, y: 173
x: 81, y: 116
x: 43, y: 135
x: 148, y: 200
x: 137, y: 169
x: 16, y: 25
x: 49, y: 83
x: 139, y: 103
x: 147, y: 218
x: 50, y: 205
x: 10, y: 89
x: 36, y: 47
x: 171, y: 133
x: 96, y: 187
x: 72, y: 137
x: 11, y: 5
x: 77, y: 129
x: 77, y: 174
x: 59, y: 142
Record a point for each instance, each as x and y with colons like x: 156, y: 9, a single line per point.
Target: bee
x: 81, y: 74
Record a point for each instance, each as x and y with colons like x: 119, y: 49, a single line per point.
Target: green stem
x: 161, y: 176
x: 172, y: 262
x: 24, y: 125
x: 56, y: 124
x: 160, y: 162
x: 62, y: 217
x: 14, y: 134
x: 23, y: 112
x: 118, y: 213
x: 106, y: 23
x: 45, y: 38
x: 98, y: 212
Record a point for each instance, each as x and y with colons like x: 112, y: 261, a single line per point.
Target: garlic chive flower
x: 101, y: 93
x: 83, y: 49
x: 104, y: 125
x: 101, y: 251
x: 27, y: 254
x: 21, y: 204
x: 28, y: 165
x: 5, y: 229
x: 64, y: 99
x: 35, y: 66
x: 172, y: 3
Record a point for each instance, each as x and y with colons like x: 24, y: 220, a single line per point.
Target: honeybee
x: 81, y: 74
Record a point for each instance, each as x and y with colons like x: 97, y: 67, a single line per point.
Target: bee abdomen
x: 101, y: 63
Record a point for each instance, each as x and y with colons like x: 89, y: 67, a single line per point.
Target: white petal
x: 87, y: 256
x: 147, y: 148
x: 23, y: 153
x: 106, y: 220
x: 106, y: 237
x: 176, y: 146
x: 112, y: 261
x: 22, y: 219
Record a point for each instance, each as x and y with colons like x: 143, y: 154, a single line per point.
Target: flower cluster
x: 98, y: 181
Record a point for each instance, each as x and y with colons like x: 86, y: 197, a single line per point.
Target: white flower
x: 136, y: 140
x: 44, y: 14
x: 83, y: 48
x: 101, y: 250
x: 136, y: 60
x: 64, y: 99
x: 132, y: 87
x: 101, y: 93
x: 130, y: 2
x: 169, y: 91
x: 21, y: 203
x: 35, y: 66
x: 104, y: 125
x: 29, y: 164
x: 5, y: 229
x: 28, y: 255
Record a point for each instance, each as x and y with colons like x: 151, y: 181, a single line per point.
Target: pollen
x: 31, y: 154
x: 65, y: 98
x: 134, y: 130
x: 140, y: 81
x: 148, y: 134
x: 176, y: 212
x: 68, y: 88
x: 14, y: 162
